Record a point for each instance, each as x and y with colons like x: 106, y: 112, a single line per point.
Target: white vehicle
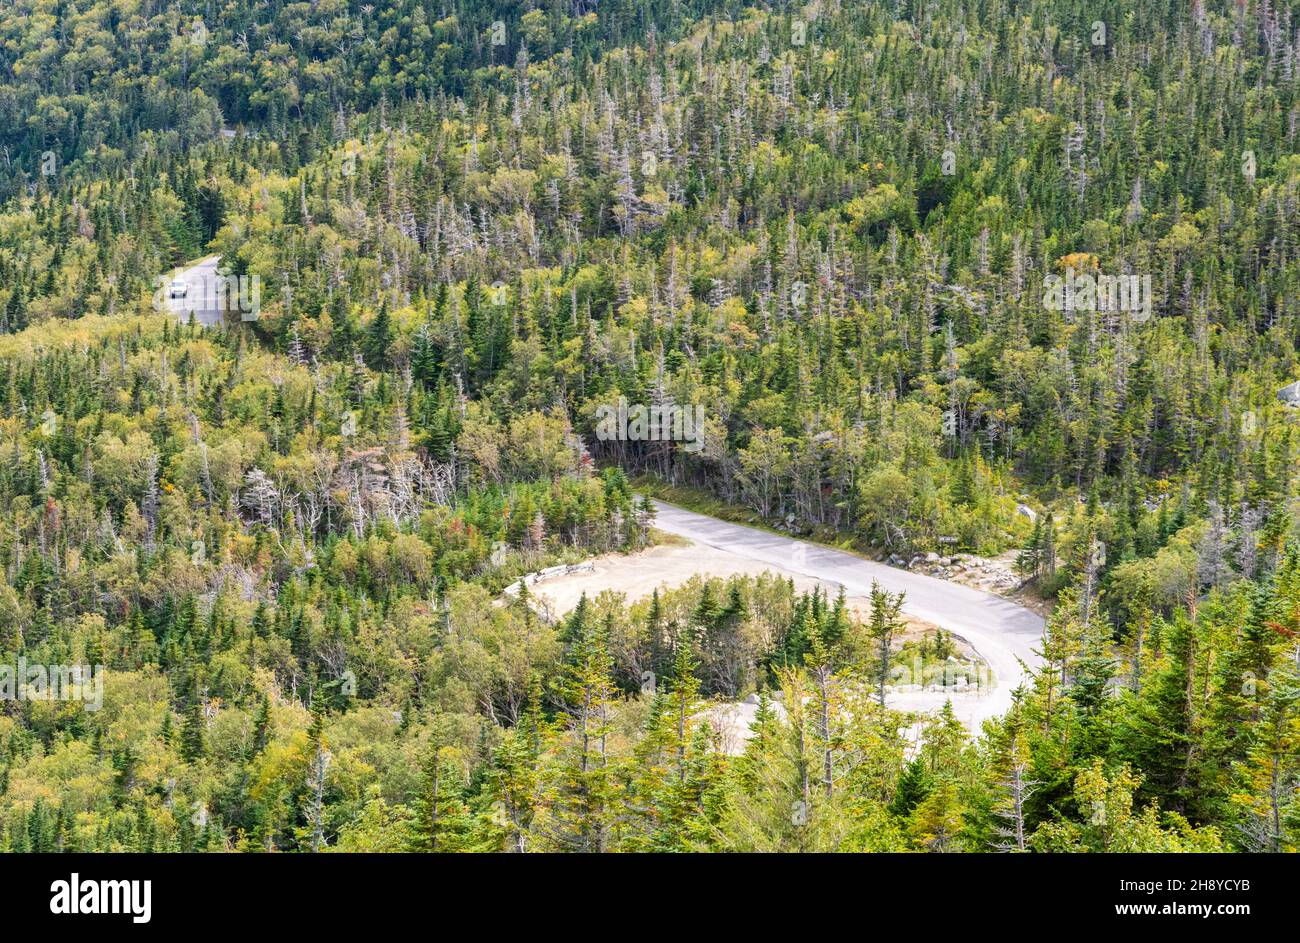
x: 179, y: 289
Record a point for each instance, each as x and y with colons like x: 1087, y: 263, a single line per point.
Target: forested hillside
x: 834, y: 227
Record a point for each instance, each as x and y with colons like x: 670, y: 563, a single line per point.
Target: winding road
x: 1003, y: 633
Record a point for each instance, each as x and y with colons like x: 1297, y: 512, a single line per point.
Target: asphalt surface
x: 1003, y: 633
x: 201, y: 301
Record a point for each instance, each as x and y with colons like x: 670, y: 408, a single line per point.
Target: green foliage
x: 284, y: 538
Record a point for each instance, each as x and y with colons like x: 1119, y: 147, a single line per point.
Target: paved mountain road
x: 200, y: 302
x: 1002, y: 632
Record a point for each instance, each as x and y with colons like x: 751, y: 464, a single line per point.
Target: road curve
x: 1003, y: 633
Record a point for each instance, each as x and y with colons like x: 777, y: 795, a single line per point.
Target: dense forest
x: 834, y: 226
